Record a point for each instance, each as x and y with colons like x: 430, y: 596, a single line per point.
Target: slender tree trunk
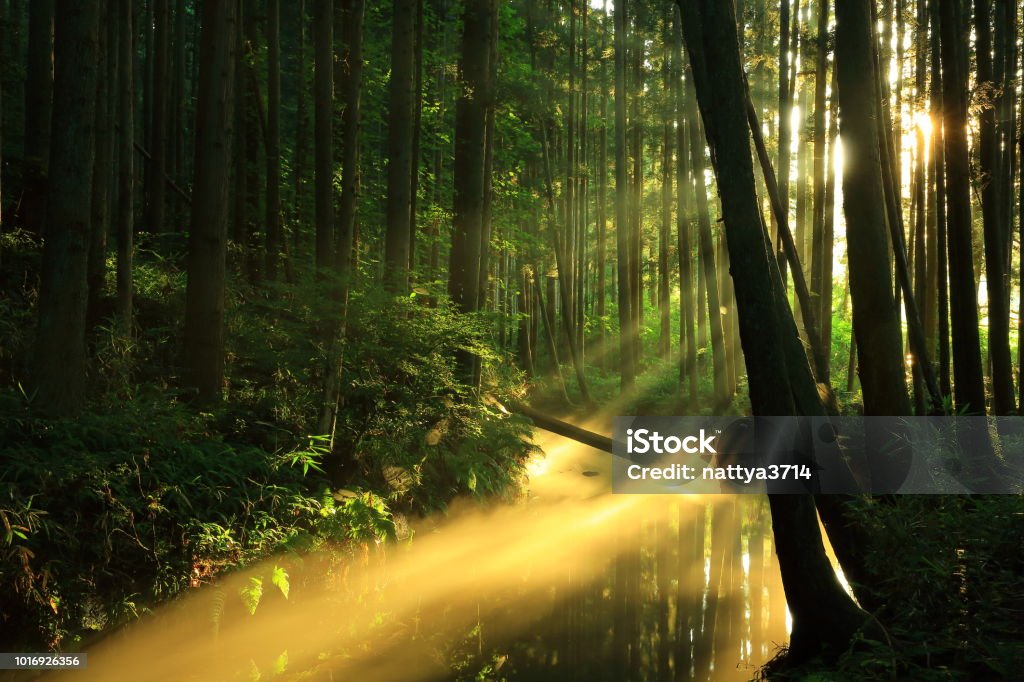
x: 627, y: 356
x: 821, y: 247
x: 785, y: 111
x: 602, y: 201
x: 126, y: 167
x: 969, y: 387
x: 207, y: 242
x: 637, y: 184
x: 417, y: 126
x: 39, y: 76
x: 688, y: 346
x: 665, y: 338
x: 996, y: 228
x: 350, y: 121
x: 102, y: 168
x: 254, y: 122
x: 155, y: 184
x: 876, y: 320
x: 400, y: 126
x: 323, y: 108
x: 488, y: 203
x: 58, y: 372
x: 470, y: 139
x: 301, y: 146
x: 706, y: 246
x: 274, y: 235
x: 825, y: 619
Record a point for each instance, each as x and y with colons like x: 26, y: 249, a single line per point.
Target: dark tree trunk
x: 600, y: 293
x: 274, y: 233
x: 207, y: 242
x: 126, y: 168
x: 665, y: 321
x: 102, y: 165
x: 969, y: 387
x: 417, y: 127
x: 400, y: 126
x: 876, y: 320
x: 157, y: 169
x: 627, y: 366
x: 323, y: 108
x: 706, y: 247
x: 996, y: 227
x: 301, y: 146
x: 825, y: 619
x: 351, y: 99
x: 821, y: 239
x: 39, y: 77
x: 470, y: 140
x: 688, y: 344
x: 58, y: 373
x: 39, y: 83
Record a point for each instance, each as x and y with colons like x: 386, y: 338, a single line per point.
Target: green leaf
x: 252, y: 594
x: 281, y: 664
x: 279, y: 578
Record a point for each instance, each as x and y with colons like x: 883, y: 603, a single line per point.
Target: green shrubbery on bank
x: 142, y: 496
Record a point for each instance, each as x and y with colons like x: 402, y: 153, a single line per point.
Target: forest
x: 315, y: 314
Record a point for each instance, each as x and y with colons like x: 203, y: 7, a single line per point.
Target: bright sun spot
x: 924, y: 122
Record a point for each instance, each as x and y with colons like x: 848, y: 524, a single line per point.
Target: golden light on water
x: 511, y: 574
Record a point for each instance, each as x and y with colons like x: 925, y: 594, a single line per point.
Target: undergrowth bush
x: 106, y: 514
x: 142, y: 496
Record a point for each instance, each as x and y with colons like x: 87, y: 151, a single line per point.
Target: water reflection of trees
x: 692, y: 595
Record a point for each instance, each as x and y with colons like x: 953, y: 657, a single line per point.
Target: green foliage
x: 948, y: 573
x: 409, y: 422
x: 142, y: 497
x: 110, y: 512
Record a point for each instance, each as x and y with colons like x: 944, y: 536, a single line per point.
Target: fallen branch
x: 557, y: 426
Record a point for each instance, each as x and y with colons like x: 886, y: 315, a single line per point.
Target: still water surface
x: 568, y: 583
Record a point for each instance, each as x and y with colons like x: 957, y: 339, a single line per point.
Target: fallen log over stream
x: 562, y: 428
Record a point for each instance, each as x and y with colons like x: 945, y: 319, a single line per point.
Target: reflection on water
x: 691, y: 594
x: 572, y: 583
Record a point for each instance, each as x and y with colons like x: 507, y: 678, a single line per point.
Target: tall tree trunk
x: 102, y: 166
x: 207, y: 240
x: 825, y: 619
x: 627, y: 356
x: 821, y: 244
x: 996, y: 227
x: 706, y: 246
x: 969, y: 387
x: 488, y: 204
x: 417, y: 127
x: 323, y: 111
x: 665, y: 338
x: 254, y: 122
x: 274, y: 234
x: 688, y: 345
x: 155, y: 183
x: 470, y: 140
x: 126, y: 167
x: 637, y: 184
x: 350, y: 121
x: 39, y: 76
x: 785, y: 111
x: 301, y: 146
x: 876, y: 320
x: 58, y: 372
x: 602, y: 201
x: 400, y: 125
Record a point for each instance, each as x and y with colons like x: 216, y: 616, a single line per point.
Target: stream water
x: 569, y: 583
